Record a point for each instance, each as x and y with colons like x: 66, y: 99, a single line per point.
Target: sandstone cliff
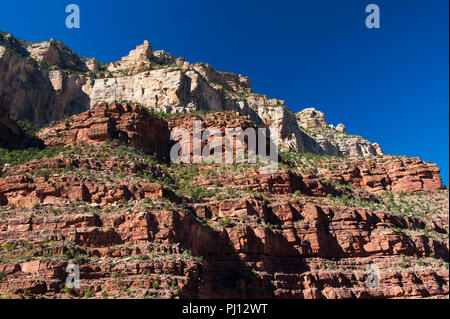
x: 33, y: 93
x: 139, y: 227
x: 100, y: 193
x: 46, y: 81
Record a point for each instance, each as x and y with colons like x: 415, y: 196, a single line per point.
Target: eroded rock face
x: 39, y: 96
x: 28, y: 192
x: 341, y: 128
x: 387, y: 173
x: 281, y: 248
x: 129, y: 123
x: 168, y: 90
x: 345, y: 145
x: 311, y: 118
x: 211, y: 129
x: 139, y: 227
x: 56, y: 55
x: 137, y: 61
x: 285, y: 129
x: 329, y: 140
x: 155, y: 79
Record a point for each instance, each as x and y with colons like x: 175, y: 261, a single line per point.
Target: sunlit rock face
x: 46, y: 81
x: 100, y: 192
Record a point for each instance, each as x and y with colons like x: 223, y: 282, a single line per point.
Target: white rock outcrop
x: 43, y: 82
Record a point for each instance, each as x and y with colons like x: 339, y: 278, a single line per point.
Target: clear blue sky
x: 389, y: 85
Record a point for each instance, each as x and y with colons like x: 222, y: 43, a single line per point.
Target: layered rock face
x: 137, y: 61
x: 40, y: 96
x: 46, y: 81
x: 101, y: 193
x: 273, y: 236
x: 387, y: 173
x: 139, y: 227
x: 56, y: 56
x: 311, y: 118
x: 129, y: 123
x: 26, y: 191
x: 330, y: 140
x: 211, y: 131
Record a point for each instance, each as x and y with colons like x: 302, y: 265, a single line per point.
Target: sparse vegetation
x: 18, y: 157
x: 127, y: 234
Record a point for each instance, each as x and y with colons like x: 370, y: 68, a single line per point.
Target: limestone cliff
x: 34, y: 93
x: 46, y: 81
x: 330, y: 140
x: 99, y: 192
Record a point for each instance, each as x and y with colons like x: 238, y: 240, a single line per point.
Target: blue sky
x: 389, y: 85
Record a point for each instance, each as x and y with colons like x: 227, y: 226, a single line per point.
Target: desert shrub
x: 18, y: 157
x: 29, y: 128
x: 88, y: 293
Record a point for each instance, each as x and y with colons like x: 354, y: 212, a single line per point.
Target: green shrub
x: 225, y: 222
x: 18, y: 157
x: 29, y: 128
x: 88, y: 293
x: 9, y: 247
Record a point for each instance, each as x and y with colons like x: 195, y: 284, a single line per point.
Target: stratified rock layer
x: 330, y: 140
x: 387, y: 173
x: 280, y: 246
x: 129, y: 123
x: 102, y: 195
x: 311, y: 118
x: 46, y: 81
